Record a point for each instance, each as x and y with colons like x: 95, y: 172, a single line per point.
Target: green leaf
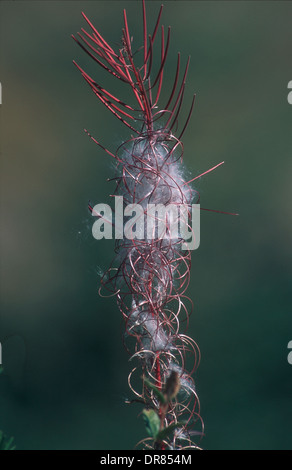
x: 5, y: 443
x: 164, y: 433
x: 152, y: 422
x: 158, y: 393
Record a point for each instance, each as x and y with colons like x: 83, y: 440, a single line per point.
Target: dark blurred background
x: 65, y: 368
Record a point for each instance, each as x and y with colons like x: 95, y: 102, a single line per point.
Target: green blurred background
x: 65, y: 368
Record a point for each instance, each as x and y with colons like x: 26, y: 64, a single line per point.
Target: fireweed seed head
x: 149, y: 275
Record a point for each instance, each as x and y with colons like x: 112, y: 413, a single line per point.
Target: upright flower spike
x: 149, y: 276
